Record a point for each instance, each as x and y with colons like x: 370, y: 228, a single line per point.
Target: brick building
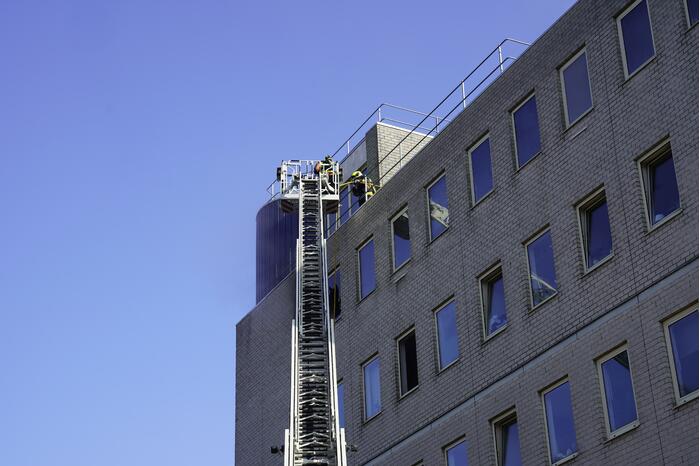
x: 522, y: 290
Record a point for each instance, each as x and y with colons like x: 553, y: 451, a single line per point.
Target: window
x: 401, y: 239
x: 559, y: 422
x: 456, y: 454
x: 334, y: 293
x: 595, y: 229
x: 527, y: 131
x: 448, y: 343
x: 661, y: 197
x: 505, y: 431
x: 344, y: 206
x: 366, y: 259
x: 540, y: 260
x: 341, y: 404
x: 480, y: 169
x: 691, y: 9
x: 408, y: 362
x: 682, y: 339
x: 636, y: 39
x: 618, y: 393
x: 493, y: 302
x: 576, y: 87
x: 437, y: 204
x: 372, y: 388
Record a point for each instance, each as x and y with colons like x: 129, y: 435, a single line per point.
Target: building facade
x: 525, y: 289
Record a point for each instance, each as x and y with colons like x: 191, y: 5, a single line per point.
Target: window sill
x: 432, y: 240
x: 401, y: 268
x: 405, y: 395
x: 443, y: 369
x: 520, y: 167
x: 533, y: 308
x: 628, y: 77
x: 691, y: 27
x: 492, y: 335
x: 603, y: 261
x: 685, y: 400
x: 573, y: 124
x: 369, y: 419
x: 565, y: 460
x: 482, y: 198
x: 621, y: 431
x: 655, y: 226
x: 364, y: 298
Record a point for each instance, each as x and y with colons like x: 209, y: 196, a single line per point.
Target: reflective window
x: 367, y: 277
x: 637, y: 41
x: 456, y: 454
x: 373, y: 401
x: 334, y: 293
x: 660, y: 187
x: 576, y: 87
x: 437, y: 203
x: 341, y: 404
x: 692, y: 10
x: 401, y: 239
x: 620, y: 407
x: 344, y: 206
x: 682, y: 333
x: 527, y: 131
x: 408, y: 362
x: 560, y: 422
x: 540, y: 257
x: 493, y: 301
x: 595, y: 229
x: 331, y: 223
x: 507, y: 441
x: 448, y: 343
x: 480, y: 165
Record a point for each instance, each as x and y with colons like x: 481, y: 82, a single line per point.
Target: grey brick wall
x: 652, y: 273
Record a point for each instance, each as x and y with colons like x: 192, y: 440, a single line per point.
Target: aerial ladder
x: 314, y: 436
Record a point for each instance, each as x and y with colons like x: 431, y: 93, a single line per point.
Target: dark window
x: 408, y: 362
x: 595, y: 226
x: 527, y: 131
x: 637, y: 40
x: 341, y: 404
x: 437, y: 203
x: 619, y: 394
x: 334, y: 294
x: 508, y: 441
x: 692, y: 6
x: 373, y: 402
x: 560, y: 422
x: 344, y: 206
x: 660, y: 187
x: 456, y: 455
x: 493, y: 301
x: 367, y: 277
x: 577, y: 88
x: 331, y: 224
x: 448, y: 343
x: 482, y: 177
x: 543, y: 281
x: 402, y: 239
x: 683, y: 334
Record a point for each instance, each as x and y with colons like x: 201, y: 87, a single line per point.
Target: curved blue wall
x: 275, y: 246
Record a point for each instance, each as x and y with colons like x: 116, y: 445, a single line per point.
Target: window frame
x: 527, y: 243
x: 496, y: 427
x: 543, y: 392
x: 394, y: 267
x: 525, y: 100
x: 368, y: 361
x: 332, y: 273
x: 452, y: 444
x: 361, y: 298
x: 621, y: 39
x: 644, y: 161
x: 611, y: 434
x: 667, y: 322
x: 687, y: 15
x: 442, y: 175
x: 437, y: 335
x: 583, y: 207
x: 471, y: 149
x: 398, y: 339
x: 485, y: 279
x: 562, y: 68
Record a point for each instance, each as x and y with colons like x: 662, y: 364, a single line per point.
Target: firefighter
x: 361, y: 186
x: 324, y: 169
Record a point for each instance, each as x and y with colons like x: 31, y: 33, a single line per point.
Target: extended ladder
x: 314, y: 436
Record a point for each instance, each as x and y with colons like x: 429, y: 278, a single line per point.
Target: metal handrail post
x: 500, y: 58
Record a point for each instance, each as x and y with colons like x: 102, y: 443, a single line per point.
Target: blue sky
x: 136, y: 142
